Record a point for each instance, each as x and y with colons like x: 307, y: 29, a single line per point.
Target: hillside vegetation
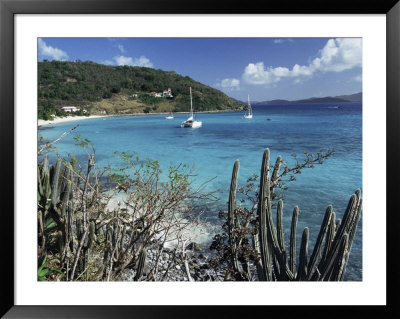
x: 103, y: 89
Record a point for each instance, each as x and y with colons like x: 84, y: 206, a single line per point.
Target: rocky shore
x: 193, y: 266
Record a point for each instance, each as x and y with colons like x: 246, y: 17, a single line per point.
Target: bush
x: 88, y: 240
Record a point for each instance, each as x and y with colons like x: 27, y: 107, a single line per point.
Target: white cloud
x: 339, y: 55
x: 299, y: 70
x: 50, y: 52
x: 279, y: 71
x: 358, y: 78
x: 336, y: 56
x: 123, y: 60
x: 108, y: 62
x: 115, y: 44
x: 256, y: 74
x: 121, y: 48
x: 230, y: 84
x: 141, y: 61
x: 280, y: 41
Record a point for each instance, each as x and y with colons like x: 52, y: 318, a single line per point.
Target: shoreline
x: 57, y: 120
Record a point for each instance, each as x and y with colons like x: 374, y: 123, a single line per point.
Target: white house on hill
x: 69, y: 109
x: 167, y: 93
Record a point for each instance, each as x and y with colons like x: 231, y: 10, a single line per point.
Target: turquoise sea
x: 225, y: 137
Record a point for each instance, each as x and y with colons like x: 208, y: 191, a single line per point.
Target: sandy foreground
x: 57, y: 120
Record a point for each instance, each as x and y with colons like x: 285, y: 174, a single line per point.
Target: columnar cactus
x: 140, y: 266
x: 295, y: 217
x: 55, y: 204
x: 274, y: 264
x: 279, y: 225
x: 264, y: 207
x: 318, y: 244
x: 302, y: 270
x: 231, y: 220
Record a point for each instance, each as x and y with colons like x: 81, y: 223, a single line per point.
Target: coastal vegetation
x: 80, y: 237
x: 253, y: 248
x: 148, y: 234
x: 103, y: 89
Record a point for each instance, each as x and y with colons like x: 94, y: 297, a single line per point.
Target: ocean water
x: 225, y: 137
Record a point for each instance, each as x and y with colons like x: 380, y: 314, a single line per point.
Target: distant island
x: 357, y: 97
x: 85, y: 88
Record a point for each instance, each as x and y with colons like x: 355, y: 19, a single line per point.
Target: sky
x: 264, y: 68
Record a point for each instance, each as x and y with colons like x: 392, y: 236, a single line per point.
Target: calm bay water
x: 225, y: 137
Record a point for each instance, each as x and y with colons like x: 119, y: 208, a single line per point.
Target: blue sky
x: 265, y: 68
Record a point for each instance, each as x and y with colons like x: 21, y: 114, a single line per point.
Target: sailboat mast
x: 248, y: 103
x: 191, y: 104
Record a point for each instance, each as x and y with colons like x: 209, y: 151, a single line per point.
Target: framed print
x: 162, y: 144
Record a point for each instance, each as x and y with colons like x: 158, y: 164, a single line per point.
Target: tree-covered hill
x: 98, y: 88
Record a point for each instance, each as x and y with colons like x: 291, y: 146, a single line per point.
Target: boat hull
x: 192, y: 124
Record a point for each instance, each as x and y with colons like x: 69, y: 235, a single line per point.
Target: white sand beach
x: 57, y: 120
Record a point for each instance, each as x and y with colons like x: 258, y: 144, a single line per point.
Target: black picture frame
x: 9, y: 8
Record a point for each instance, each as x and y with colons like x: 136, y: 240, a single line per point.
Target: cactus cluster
x: 91, y: 243
x: 277, y: 262
x: 68, y: 230
x: 55, y: 206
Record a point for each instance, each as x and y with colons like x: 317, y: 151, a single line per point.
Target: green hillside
x: 103, y: 89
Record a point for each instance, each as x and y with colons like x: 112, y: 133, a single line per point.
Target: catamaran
x: 249, y: 115
x: 191, y: 122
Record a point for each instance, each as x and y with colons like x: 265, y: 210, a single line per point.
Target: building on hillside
x: 69, y: 109
x: 155, y: 94
x: 167, y: 93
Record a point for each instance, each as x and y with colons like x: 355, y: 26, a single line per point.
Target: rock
x: 197, y: 277
x: 195, y: 247
x: 204, y: 266
x: 146, y: 268
x: 202, y: 256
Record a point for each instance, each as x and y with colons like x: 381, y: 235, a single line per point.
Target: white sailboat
x: 170, y: 116
x: 191, y: 122
x: 249, y: 114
